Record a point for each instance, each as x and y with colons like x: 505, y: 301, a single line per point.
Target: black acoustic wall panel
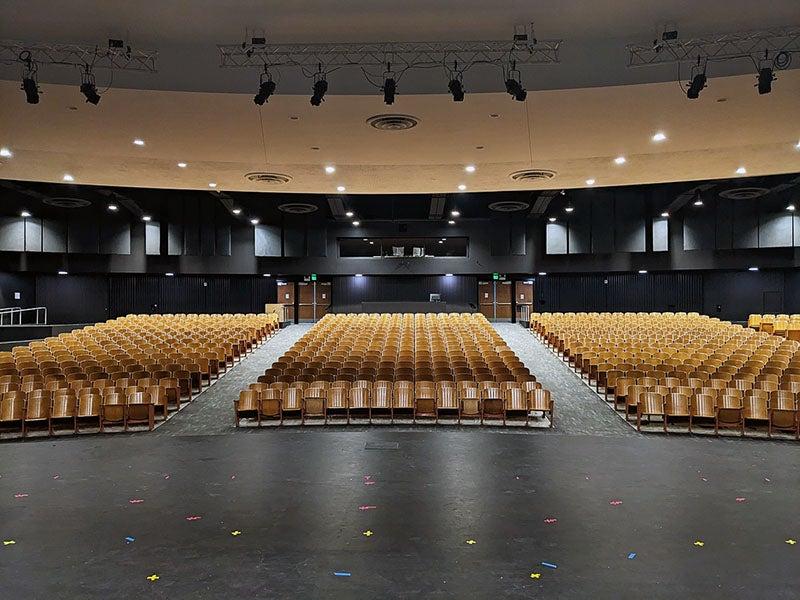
x: 73, y: 298
x: 630, y: 210
x: 189, y: 294
x: 54, y: 236
x: 519, y: 241
x: 207, y: 230
x: 500, y: 240
x: 33, y: 235
x: 745, y: 224
x: 317, y: 242
x: 115, y: 237
x: 580, y: 227
x: 348, y: 292
x: 699, y: 229
x: 223, y: 239
x: 267, y: 240
x: 775, y: 230
x: 83, y: 235
x: 12, y: 234
x: 724, y: 224
x: 191, y: 227
x: 294, y: 238
x: 602, y: 222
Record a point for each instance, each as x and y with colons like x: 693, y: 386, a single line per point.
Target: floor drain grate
x: 381, y: 446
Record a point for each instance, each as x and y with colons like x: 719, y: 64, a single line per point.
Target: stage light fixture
x: 451, y: 222
x: 665, y: 215
x: 68, y: 177
x: 320, y: 89
x: 212, y: 184
x: 265, y: 90
x: 31, y: 89
x: 790, y: 208
x: 88, y: 87
x: 147, y: 218
x: 642, y: 272
x: 765, y: 79
x: 169, y: 274
x: 389, y: 90
x: 542, y: 273
x: 552, y: 219
x: 113, y: 207
x: 254, y: 221
x: 741, y: 171
x: 461, y: 187
x: 24, y: 214
x: 515, y: 89
x: 356, y: 223
x: 752, y: 268
x: 590, y: 182
x: 696, y: 85
x: 236, y: 211
x: 6, y: 153
x: 63, y: 273
x: 455, y: 213
x: 569, y: 209
x: 349, y: 213
x: 456, y: 88
x: 341, y: 188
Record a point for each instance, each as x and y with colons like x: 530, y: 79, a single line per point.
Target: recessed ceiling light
x: 659, y: 136
x: 138, y: 142
x: 112, y: 207
x: 212, y: 185
x: 665, y: 214
x: 752, y: 268
x: 698, y: 202
x: 441, y: 242
x: 741, y: 171
x: 364, y: 240
x: 590, y: 182
x: 236, y: 211
x: 267, y: 275
x: 569, y: 209
x: 24, y: 214
x: 470, y: 168
x: 620, y: 160
x: 797, y: 147
x: 552, y: 219
x: 444, y: 239
x: 182, y: 165
x: 542, y: 273
x: 6, y: 153
x: 329, y: 169
x: 170, y: 274
x: 372, y: 243
x: 340, y: 188
x: 63, y: 273
x: 451, y: 222
x: 147, y: 218
x: 254, y: 221
x: 349, y: 213
x: 68, y: 177
x: 642, y: 272
x: 356, y: 223
x: 455, y: 213
x: 358, y: 275
x: 790, y: 207
x: 461, y: 187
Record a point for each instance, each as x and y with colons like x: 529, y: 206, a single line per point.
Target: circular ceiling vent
x: 67, y: 202
x: 297, y: 208
x: 509, y: 206
x: 393, y: 122
x: 268, y: 178
x: 744, y: 193
x: 532, y: 175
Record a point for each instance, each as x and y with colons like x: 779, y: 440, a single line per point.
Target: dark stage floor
x: 297, y: 497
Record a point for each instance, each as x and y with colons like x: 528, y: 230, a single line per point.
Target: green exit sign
x: 495, y: 276
x: 313, y: 277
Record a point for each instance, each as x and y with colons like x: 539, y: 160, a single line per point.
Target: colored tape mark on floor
x: 549, y: 565
x: 341, y: 573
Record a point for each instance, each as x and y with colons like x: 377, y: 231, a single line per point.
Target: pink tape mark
x: 56, y: 476
x: 20, y: 495
x: 367, y: 507
x: 615, y: 502
x: 233, y: 476
x: 193, y: 518
x: 369, y: 483
x: 135, y: 501
x: 166, y: 476
x: 741, y: 499
x: 551, y: 520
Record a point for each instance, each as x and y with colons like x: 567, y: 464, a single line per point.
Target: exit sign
x: 495, y: 276
x: 313, y: 277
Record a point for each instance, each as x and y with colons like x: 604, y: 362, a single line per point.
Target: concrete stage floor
x: 298, y: 498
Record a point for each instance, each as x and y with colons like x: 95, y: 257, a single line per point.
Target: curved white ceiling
x: 576, y: 133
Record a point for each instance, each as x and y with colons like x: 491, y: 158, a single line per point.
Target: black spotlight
x: 457, y: 89
x: 320, y: 87
x: 765, y: 79
x: 31, y: 90
x: 389, y: 90
x: 697, y: 83
x: 89, y: 90
x: 515, y: 89
x: 265, y: 90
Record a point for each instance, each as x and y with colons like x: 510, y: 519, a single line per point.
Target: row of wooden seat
x: 782, y: 324
x: 19, y: 411
x: 414, y: 400
x: 138, y: 354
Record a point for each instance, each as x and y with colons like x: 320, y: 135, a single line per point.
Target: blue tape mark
x: 632, y: 555
x: 549, y: 565
x: 130, y: 539
x: 341, y: 573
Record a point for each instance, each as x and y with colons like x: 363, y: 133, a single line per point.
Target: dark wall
x: 458, y: 292
x: 24, y: 283
x: 73, y: 298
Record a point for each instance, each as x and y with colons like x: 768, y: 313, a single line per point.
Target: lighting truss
x: 99, y: 57
x: 730, y: 46
x: 401, y: 55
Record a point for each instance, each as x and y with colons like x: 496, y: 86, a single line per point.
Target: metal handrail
x: 13, y: 311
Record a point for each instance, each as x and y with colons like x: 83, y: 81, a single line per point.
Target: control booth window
x: 402, y: 247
